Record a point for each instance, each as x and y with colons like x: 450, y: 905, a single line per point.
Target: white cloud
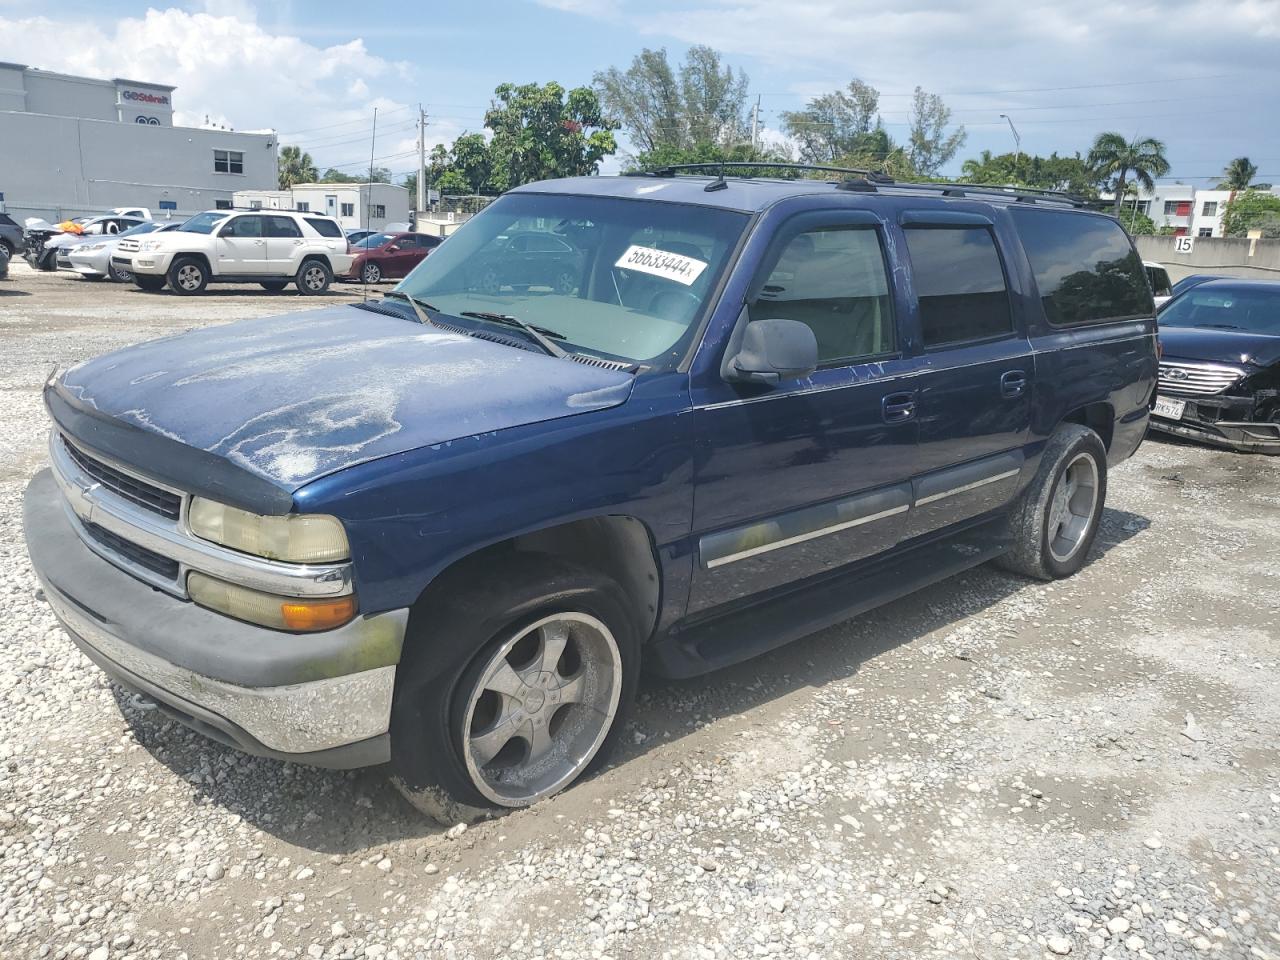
x: 227, y: 67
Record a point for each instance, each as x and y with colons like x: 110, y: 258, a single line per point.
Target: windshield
x: 1253, y: 309
x: 376, y: 240
x: 621, y: 279
x: 140, y: 228
x: 204, y: 222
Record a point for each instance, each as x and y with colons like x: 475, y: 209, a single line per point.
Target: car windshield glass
x: 140, y: 228
x: 376, y: 240
x: 203, y: 222
x: 621, y: 279
x: 1252, y: 309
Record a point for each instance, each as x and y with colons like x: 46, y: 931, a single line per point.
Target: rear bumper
x: 1245, y: 436
x: 152, y: 642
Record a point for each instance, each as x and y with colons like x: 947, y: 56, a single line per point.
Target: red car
x: 389, y: 255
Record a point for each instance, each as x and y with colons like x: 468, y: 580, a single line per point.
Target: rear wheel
x: 1055, y: 520
x: 149, y: 282
x: 540, y: 667
x: 314, y: 277
x: 188, y: 276
x: 275, y: 286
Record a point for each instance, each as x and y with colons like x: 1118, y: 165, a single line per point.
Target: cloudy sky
x: 1202, y: 76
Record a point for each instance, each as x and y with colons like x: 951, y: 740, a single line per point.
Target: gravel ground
x: 992, y: 768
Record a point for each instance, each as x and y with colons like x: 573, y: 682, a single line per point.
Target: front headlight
x: 280, y: 613
x: 295, y: 538
x: 93, y: 246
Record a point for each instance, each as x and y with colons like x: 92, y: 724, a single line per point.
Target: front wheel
x: 1055, y: 520
x: 371, y: 273
x: 188, y: 276
x: 314, y: 277
x: 118, y: 275
x: 540, y: 666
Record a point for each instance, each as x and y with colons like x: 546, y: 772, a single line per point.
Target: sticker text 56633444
x: 661, y: 263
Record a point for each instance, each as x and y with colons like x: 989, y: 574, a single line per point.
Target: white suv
x: 268, y: 247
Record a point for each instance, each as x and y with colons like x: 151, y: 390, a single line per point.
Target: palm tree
x: 296, y: 167
x: 1114, y: 156
x: 1238, y: 174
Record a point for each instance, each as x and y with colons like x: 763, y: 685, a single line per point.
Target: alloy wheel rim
x: 372, y: 274
x: 1072, y: 506
x: 543, y: 705
x: 314, y: 278
x: 189, y: 277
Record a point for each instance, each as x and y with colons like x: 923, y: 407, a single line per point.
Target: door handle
x: 1013, y: 383
x: 898, y: 407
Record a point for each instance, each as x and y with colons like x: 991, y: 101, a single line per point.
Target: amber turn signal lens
x: 309, y: 615
x: 269, y: 610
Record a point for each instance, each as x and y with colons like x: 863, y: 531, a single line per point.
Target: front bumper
x: 301, y: 697
x: 149, y: 263
x: 86, y: 264
x: 1245, y: 436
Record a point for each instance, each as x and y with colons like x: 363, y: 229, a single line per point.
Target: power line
x: 343, y: 123
x: 996, y: 93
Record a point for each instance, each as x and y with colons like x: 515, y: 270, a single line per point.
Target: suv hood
x: 1220, y: 346
x: 297, y: 397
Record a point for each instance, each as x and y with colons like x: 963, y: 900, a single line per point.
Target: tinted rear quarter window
x: 960, y: 284
x: 1085, y: 267
x: 326, y: 228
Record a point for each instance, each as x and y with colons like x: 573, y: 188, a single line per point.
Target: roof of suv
x: 752, y: 195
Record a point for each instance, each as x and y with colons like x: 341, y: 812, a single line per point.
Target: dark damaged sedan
x: 1220, y: 373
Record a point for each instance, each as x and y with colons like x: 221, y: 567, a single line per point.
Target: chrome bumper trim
x: 91, y: 502
x: 299, y: 718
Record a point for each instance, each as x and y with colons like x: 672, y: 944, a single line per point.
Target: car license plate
x: 1169, y: 409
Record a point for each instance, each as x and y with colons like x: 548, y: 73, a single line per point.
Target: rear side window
x: 833, y: 280
x: 243, y: 227
x: 282, y: 227
x: 1085, y: 267
x: 326, y: 228
x: 960, y: 284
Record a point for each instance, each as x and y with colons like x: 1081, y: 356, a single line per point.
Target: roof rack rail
x: 310, y: 213
x: 1024, y: 194
x: 672, y: 169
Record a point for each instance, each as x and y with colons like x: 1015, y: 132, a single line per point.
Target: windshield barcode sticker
x: 661, y: 263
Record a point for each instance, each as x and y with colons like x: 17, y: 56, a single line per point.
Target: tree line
x: 699, y: 111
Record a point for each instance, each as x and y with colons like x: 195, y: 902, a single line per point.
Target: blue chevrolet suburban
x: 687, y: 418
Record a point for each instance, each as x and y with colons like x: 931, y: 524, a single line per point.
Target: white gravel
x: 993, y: 768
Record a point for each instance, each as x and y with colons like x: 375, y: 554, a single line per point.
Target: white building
x: 76, y: 145
x: 1189, y: 211
x: 357, y: 206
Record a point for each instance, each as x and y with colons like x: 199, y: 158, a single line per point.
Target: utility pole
x: 755, y: 126
x: 422, y: 160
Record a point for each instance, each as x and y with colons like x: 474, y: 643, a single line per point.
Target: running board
x: 762, y: 626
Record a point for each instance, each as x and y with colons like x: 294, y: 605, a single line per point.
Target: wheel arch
x: 619, y: 546
x: 202, y: 257
x: 1100, y: 417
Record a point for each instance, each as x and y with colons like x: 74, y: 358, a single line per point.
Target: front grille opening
x: 131, y: 488
x: 147, y: 559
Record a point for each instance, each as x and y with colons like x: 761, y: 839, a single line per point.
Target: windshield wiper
x: 539, y: 334
x: 1223, y: 326
x: 415, y: 303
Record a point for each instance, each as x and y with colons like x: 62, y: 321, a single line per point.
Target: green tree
x: 1114, y: 156
x: 930, y: 145
x: 296, y: 167
x: 1252, y: 210
x: 1072, y: 174
x: 709, y: 153
x: 541, y: 132
x: 837, y: 124
x: 1239, y: 173
x: 661, y: 107
x: 332, y: 175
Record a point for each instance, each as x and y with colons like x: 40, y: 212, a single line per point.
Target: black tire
x: 188, y: 276
x: 314, y: 277
x: 48, y: 262
x: 9, y: 249
x: 371, y: 273
x: 118, y: 275
x: 149, y: 282
x: 1034, y: 552
x: 275, y: 286
x: 467, y: 616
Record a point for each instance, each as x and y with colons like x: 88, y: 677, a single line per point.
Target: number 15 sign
x: 1183, y: 244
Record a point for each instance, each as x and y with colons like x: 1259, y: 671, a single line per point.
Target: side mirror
x: 772, y: 351
x: 393, y: 248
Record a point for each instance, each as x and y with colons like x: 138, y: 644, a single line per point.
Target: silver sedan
x: 91, y: 257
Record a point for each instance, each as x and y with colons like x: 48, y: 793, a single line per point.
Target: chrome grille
x: 133, y: 489
x: 128, y: 246
x: 1196, y: 379
x: 149, y: 559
